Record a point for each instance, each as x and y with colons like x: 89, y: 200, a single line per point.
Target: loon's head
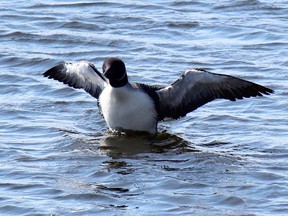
x: 114, y: 70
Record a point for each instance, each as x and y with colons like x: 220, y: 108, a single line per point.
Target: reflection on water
x: 176, y: 164
x: 131, y: 144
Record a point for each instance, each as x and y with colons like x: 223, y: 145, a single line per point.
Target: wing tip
x: 257, y: 91
x: 268, y: 91
x: 262, y: 90
x: 52, y: 72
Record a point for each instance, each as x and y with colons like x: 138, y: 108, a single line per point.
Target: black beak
x: 108, y: 74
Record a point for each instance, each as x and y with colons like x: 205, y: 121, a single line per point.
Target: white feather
x: 126, y: 108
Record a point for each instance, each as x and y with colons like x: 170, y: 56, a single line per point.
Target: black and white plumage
x: 139, y: 107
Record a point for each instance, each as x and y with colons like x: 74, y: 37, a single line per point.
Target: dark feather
x: 198, y: 87
x: 79, y: 75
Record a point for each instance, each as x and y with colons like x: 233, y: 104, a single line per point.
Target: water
x: 57, y: 156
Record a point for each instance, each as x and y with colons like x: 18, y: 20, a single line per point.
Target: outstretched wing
x: 80, y: 74
x: 197, y: 87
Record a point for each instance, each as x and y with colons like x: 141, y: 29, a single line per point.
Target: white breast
x: 129, y: 109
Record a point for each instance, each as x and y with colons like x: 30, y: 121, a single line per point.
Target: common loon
x: 139, y: 107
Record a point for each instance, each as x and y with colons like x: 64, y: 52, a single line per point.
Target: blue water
x: 226, y: 158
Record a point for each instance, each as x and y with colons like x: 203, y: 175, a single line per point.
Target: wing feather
x: 197, y: 87
x: 79, y: 75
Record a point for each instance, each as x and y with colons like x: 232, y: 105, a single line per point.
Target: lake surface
x: 226, y: 158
